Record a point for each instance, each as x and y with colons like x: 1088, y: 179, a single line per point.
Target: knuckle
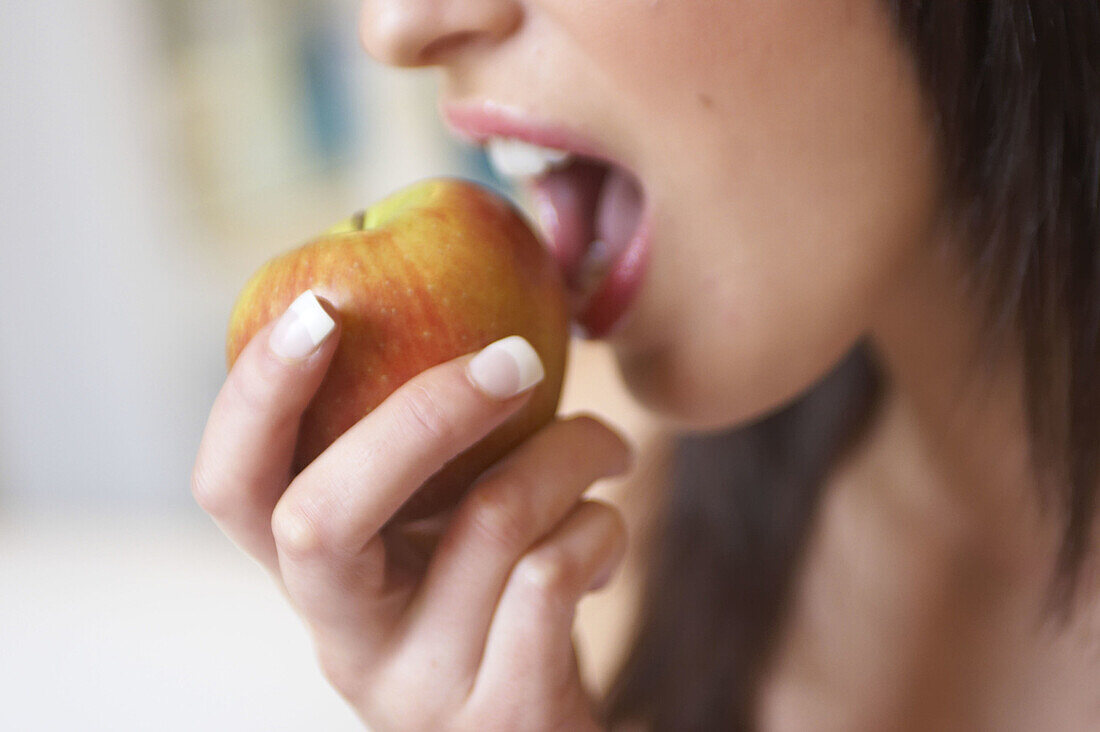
x: 602, y: 441
x: 425, y: 415
x: 549, y: 576
x: 296, y: 535
x: 499, y: 512
x: 250, y: 387
x: 210, y: 496
x: 346, y: 677
x: 610, y: 518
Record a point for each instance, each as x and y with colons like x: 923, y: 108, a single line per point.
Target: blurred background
x: 155, y: 153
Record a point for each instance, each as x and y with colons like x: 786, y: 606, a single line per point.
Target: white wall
x: 105, y: 316
x: 113, y: 296
x: 115, y: 287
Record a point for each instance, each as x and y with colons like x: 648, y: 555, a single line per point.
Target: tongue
x: 590, y: 213
x: 619, y: 212
x: 567, y: 201
x: 617, y: 217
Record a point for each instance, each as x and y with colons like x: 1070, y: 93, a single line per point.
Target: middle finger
x: 507, y: 511
x: 334, y: 509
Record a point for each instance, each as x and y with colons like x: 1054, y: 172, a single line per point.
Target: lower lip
x: 607, y: 308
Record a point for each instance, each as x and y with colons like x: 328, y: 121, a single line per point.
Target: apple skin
x: 438, y: 270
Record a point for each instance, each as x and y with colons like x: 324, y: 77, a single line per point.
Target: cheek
x: 788, y: 216
x: 743, y: 347
x: 740, y: 351
x: 757, y: 294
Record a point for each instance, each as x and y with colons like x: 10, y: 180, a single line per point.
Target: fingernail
x: 506, y: 368
x: 302, y: 328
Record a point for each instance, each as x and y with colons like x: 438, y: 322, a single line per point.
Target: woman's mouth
x: 592, y: 213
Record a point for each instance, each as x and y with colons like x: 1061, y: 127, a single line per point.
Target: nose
x: 424, y: 32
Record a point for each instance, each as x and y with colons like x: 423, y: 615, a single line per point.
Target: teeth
x: 513, y: 158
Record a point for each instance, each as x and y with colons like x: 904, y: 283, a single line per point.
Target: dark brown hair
x: 1013, y: 90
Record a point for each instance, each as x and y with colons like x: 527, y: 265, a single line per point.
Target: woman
x: 848, y: 254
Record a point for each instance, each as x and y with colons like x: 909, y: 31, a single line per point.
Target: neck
x: 925, y: 585
x: 961, y: 412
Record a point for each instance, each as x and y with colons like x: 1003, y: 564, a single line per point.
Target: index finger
x: 244, y: 460
x: 345, y: 496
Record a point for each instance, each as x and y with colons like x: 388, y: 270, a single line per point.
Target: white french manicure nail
x: 302, y: 328
x: 506, y: 368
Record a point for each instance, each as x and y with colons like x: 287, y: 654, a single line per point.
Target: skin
x: 417, y: 642
x: 781, y: 150
x: 793, y: 181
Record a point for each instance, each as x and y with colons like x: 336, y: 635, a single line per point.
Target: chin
x: 691, y: 399
x: 684, y: 402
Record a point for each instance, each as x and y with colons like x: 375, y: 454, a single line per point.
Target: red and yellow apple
x: 435, y: 271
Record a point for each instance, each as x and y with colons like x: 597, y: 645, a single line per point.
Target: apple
x: 435, y: 271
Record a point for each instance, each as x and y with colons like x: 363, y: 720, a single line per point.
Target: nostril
x: 440, y: 47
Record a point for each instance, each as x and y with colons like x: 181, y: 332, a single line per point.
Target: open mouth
x: 593, y: 216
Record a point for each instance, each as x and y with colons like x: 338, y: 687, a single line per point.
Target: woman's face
x: 779, y: 150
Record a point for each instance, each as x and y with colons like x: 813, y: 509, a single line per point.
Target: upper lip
x: 479, y: 121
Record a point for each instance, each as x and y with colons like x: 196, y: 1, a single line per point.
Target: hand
x: 474, y: 636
